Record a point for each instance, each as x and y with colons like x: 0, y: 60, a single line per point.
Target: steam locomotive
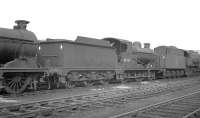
x: 27, y: 63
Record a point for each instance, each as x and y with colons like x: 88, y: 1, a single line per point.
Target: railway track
x: 74, y: 104
x: 36, y: 93
x: 187, y: 106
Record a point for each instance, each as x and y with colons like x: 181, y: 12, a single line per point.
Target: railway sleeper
x: 161, y: 114
x: 107, y: 103
x: 63, y: 109
x: 169, y: 111
x: 193, y: 100
x: 188, y: 104
x: 31, y: 115
x: 188, y: 108
x: 119, y: 102
x: 96, y: 105
x: 100, y: 104
x: 174, y: 109
x: 142, y: 115
x: 184, y: 108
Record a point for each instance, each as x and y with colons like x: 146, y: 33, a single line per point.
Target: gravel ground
x: 130, y: 106
x: 60, y: 93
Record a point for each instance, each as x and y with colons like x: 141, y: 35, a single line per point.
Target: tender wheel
x: 69, y: 85
x: 89, y: 84
x: 152, y: 76
x: 138, y: 79
x: 104, y: 82
x: 16, y: 84
x: 85, y: 83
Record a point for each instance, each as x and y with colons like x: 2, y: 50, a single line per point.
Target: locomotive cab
x: 132, y: 54
x: 137, y: 62
x: 119, y: 45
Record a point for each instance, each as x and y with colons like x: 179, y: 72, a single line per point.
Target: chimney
x: 21, y: 24
x: 147, y: 45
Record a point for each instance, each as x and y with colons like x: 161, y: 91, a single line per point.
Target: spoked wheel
x: 85, y: 83
x: 89, y: 84
x: 69, y: 85
x: 16, y: 84
x: 149, y: 78
x: 102, y: 82
x: 138, y: 79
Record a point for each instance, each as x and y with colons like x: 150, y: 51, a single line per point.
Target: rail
x: 186, y: 106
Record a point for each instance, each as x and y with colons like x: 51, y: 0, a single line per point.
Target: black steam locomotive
x: 27, y: 63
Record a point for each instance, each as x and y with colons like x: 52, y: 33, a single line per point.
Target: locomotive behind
x: 192, y: 62
x: 27, y: 63
x: 173, y: 62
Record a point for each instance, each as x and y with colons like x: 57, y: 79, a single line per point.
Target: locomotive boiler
x: 16, y: 43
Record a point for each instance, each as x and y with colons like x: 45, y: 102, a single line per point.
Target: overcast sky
x: 160, y: 22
